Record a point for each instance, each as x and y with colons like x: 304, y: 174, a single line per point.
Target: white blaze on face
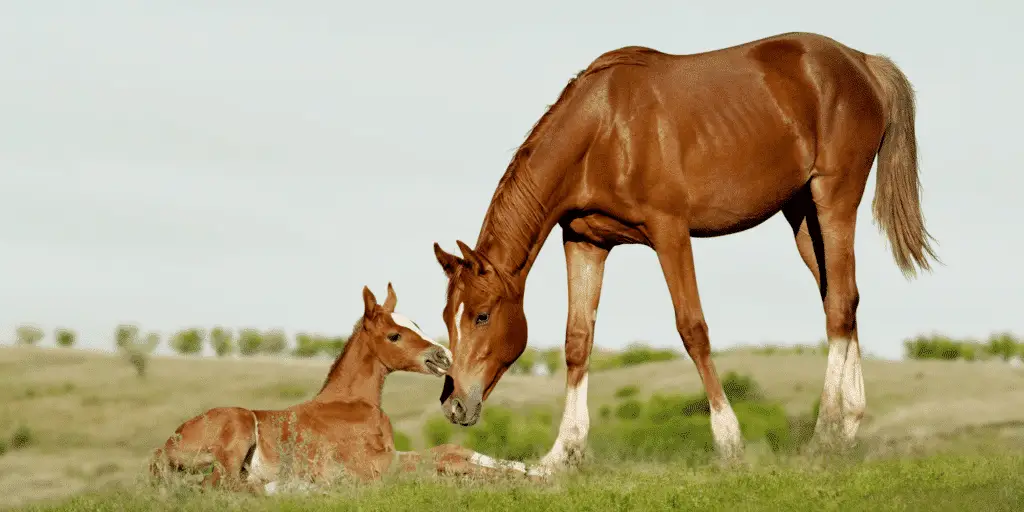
x: 406, y: 322
x: 458, y: 322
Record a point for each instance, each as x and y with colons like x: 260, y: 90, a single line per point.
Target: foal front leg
x: 585, y: 270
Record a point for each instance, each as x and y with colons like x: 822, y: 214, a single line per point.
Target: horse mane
x: 344, y: 350
x: 516, y: 209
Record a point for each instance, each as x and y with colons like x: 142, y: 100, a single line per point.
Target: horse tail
x: 897, y: 204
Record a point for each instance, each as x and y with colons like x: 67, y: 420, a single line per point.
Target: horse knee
x: 693, y: 330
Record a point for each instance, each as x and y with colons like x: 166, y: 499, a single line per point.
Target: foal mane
x: 344, y: 350
x: 516, y: 210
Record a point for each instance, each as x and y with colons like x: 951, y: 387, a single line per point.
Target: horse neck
x: 356, y: 376
x: 529, y: 201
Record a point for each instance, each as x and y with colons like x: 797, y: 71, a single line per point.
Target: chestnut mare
x: 645, y: 147
x: 343, y: 423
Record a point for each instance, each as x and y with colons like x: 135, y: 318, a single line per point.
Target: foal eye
x: 393, y: 337
x: 481, y: 318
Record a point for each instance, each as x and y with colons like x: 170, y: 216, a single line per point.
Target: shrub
x: 402, y: 442
x: 29, y: 334
x: 21, y: 438
x: 250, y: 342
x: 309, y: 345
x: 274, y: 342
x: 525, y: 363
x: 1002, y: 345
x: 512, y: 435
x: 125, y: 335
x: 438, y: 431
x: 64, y: 337
x: 188, y: 341
x: 222, y: 340
x: 553, y: 360
x: 334, y: 346
x: 626, y: 391
x: 137, y: 351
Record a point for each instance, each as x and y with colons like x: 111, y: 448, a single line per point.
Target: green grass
x: 936, y: 483
x: 937, y: 435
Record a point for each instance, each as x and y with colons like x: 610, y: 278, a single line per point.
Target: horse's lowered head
x: 486, y: 328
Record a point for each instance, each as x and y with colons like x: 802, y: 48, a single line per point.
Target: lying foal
x: 342, y: 424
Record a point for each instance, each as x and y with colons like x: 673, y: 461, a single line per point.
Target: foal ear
x: 369, y: 303
x: 391, y: 300
x: 449, y: 262
x: 477, y: 260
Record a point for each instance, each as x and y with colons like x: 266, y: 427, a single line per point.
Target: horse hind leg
x: 825, y: 242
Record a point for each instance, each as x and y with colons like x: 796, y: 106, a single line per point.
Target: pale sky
x: 255, y: 163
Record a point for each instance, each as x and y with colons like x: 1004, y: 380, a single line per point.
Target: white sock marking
x: 832, y: 392
x: 574, y: 426
x: 853, y: 391
x: 725, y: 428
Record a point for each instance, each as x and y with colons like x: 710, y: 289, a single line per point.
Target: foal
x: 342, y: 428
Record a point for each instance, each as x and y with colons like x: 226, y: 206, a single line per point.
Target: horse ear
x: 449, y: 262
x: 369, y: 303
x: 477, y: 260
x: 391, y: 300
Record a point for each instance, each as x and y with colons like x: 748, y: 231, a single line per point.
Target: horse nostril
x: 458, y: 410
x: 442, y: 358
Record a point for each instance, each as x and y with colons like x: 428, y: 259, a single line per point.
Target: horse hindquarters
x: 221, y: 437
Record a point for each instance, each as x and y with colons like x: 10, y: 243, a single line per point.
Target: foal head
x: 396, y: 341
x: 487, y: 329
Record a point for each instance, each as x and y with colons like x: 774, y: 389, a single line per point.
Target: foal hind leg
x: 671, y: 241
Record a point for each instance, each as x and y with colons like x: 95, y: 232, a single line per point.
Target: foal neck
x: 357, y: 375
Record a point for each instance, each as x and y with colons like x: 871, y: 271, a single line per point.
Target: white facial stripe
x: 404, y: 321
x: 458, y: 323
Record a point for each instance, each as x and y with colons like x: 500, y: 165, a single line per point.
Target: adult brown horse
x: 645, y: 147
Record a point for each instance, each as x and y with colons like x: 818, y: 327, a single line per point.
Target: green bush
x: 334, y: 346
x: 402, y: 442
x: 64, y: 337
x: 188, y: 341
x: 1003, y: 345
x: 626, y: 391
x: 274, y: 342
x: 250, y: 341
x: 125, y: 335
x: 29, y: 334
x: 632, y: 355
x: 222, y: 340
x: 438, y: 431
x: 307, y: 345
x: 525, y: 363
x: 666, y: 427
x: 513, y: 435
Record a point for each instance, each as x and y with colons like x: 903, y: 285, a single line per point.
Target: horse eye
x: 481, y: 318
x: 393, y: 337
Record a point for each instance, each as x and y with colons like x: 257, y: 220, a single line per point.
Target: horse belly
x: 736, y: 186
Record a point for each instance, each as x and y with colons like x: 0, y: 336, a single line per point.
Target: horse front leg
x: 585, y: 271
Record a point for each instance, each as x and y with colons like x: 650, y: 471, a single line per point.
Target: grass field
x: 76, y: 428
